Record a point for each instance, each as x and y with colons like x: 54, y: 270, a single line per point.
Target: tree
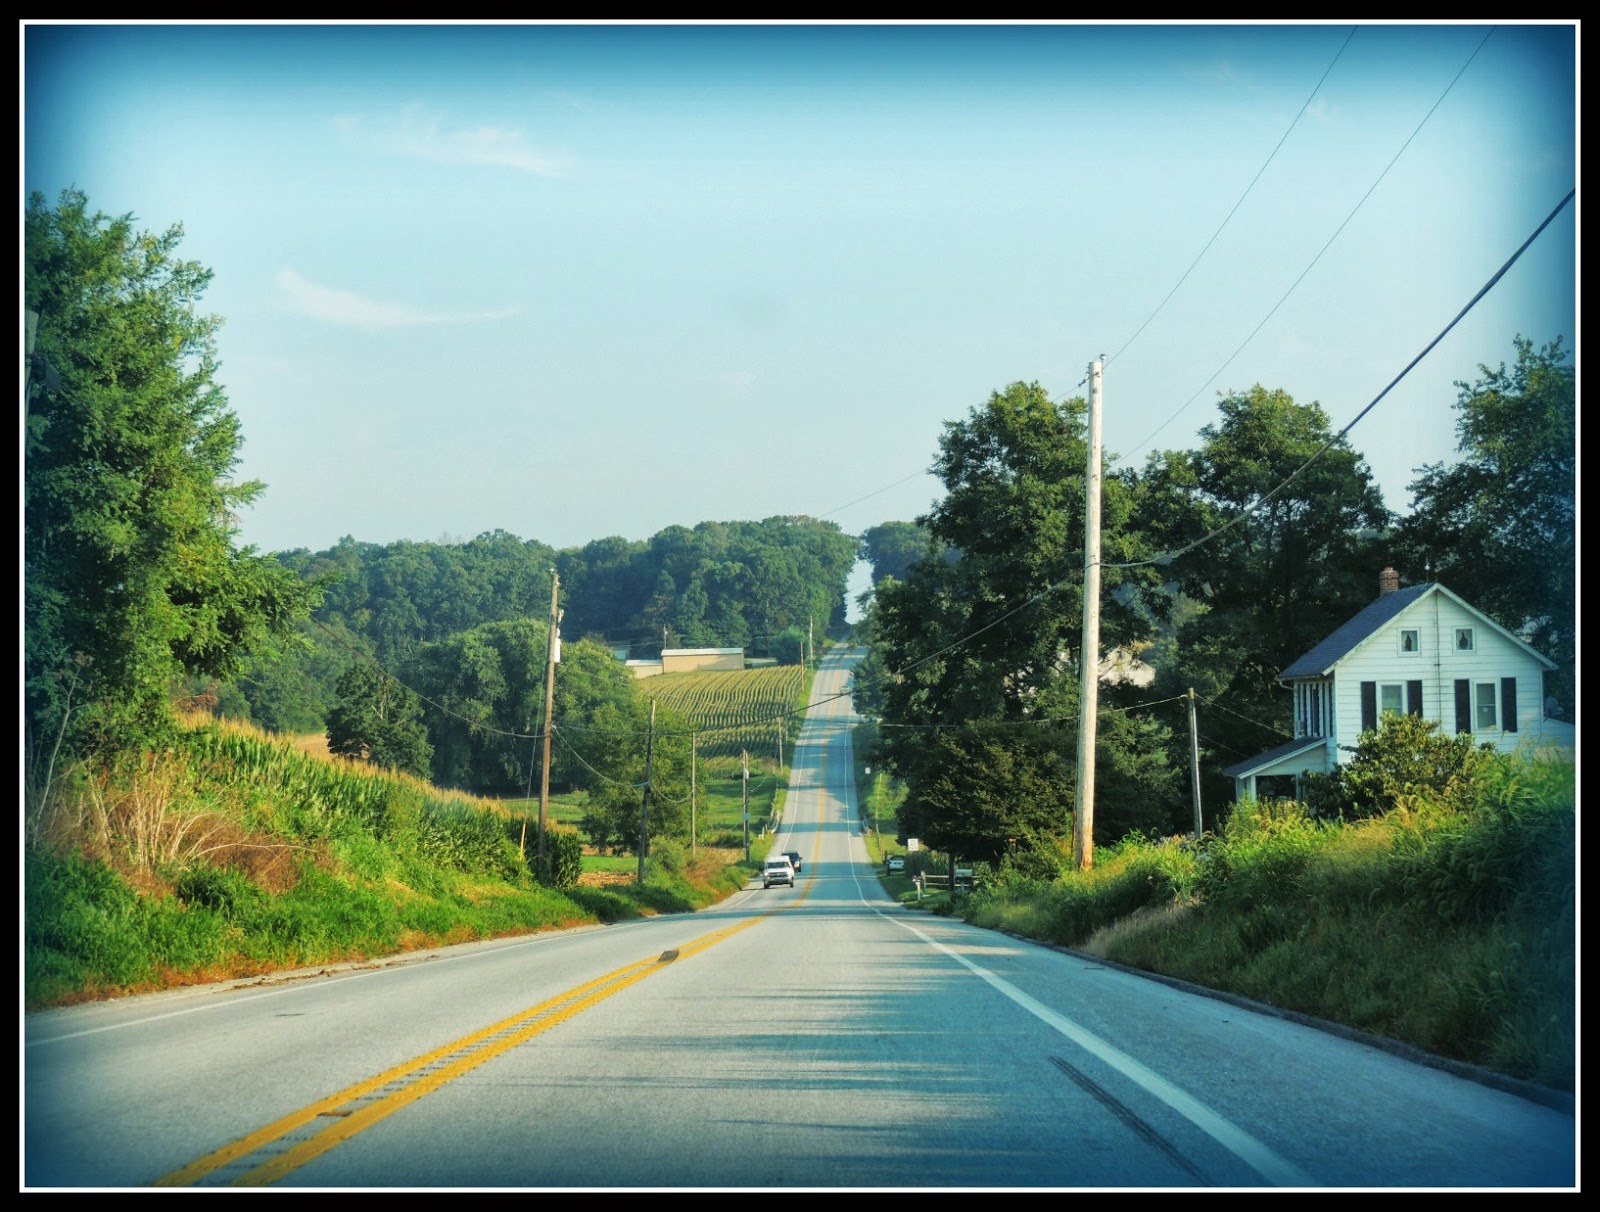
x: 1290, y: 560
x: 617, y: 749
x: 980, y: 787
x: 1500, y: 526
x: 378, y: 720
x: 789, y: 646
x: 132, y: 579
x: 892, y: 547
x: 588, y: 679
x: 980, y: 643
x: 1405, y: 757
x: 485, y: 690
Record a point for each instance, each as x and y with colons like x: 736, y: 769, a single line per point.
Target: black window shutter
x: 1414, y: 697
x: 1463, y: 705
x: 1369, y: 706
x: 1508, y: 704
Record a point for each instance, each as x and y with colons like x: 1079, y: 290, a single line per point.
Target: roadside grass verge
x: 1449, y: 929
x: 236, y: 854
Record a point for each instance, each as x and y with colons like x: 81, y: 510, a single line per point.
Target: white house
x: 1422, y: 651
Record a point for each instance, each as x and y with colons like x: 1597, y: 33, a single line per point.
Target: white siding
x: 1437, y: 665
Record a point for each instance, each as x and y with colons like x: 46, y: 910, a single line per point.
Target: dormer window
x: 1463, y: 639
x: 1410, y: 639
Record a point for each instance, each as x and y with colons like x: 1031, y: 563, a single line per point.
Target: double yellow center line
x: 270, y: 1153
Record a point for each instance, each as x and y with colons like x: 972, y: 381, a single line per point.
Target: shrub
x: 1405, y: 757
x: 563, y: 858
x: 668, y: 856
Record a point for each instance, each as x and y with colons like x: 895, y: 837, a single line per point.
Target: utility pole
x: 1089, y: 656
x: 1194, y: 766
x: 552, y: 655
x: 644, y: 801
x: 811, y: 648
x: 694, y: 757
x: 744, y: 758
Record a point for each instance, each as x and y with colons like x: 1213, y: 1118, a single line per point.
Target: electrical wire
x: 1293, y: 286
x: 1184, y: 277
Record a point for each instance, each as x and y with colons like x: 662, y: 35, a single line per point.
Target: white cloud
x: 347, y: 308
x: 423, y: 136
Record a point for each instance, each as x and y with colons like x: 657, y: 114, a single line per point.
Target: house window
x: 1391, y: 699
x: 1308, y: 708
x: 1410, y: 640
x: 1463, y: 639
x: 1486, y: 717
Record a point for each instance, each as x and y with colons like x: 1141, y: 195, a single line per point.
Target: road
x: 815, y: 1037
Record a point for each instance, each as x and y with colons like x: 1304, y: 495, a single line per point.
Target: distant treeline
x: 762, y: 586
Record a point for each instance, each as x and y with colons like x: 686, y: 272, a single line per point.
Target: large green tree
x: 621, y: 751
x: 484, y: 692
x: 132, y: 578
x: 980, y: 644
x: 1279, y: 530
x: 378, y: 720
x: 892, y: 547
x: 1500, y: 526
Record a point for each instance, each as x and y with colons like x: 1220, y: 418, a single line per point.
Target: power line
x: 1265, y: 164
x: 1168, y: 556
x: 1293, y: 286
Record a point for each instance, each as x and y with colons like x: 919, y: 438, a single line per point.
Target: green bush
x: 226, y: 892
x: 1405, y: 757
x: 668, y: 857
x: 563, y: 858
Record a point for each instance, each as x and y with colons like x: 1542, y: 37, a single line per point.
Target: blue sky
x: 577, y: 281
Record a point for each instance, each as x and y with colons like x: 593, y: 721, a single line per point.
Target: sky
x: 575, y: 281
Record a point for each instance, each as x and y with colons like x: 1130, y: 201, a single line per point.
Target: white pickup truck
x: 777, y: 871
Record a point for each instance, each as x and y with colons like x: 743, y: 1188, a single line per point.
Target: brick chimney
x: 1388, y: 581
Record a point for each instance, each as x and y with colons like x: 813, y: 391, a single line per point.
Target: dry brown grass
x: 155, y: 821
x: 315, y: 745
x: 1143, y: 921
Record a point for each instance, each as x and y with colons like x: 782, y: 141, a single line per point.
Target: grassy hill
x: 234, y: 853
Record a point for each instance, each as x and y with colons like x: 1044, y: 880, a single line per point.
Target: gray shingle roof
x: 1343, y: 639
x: 1277, y: 754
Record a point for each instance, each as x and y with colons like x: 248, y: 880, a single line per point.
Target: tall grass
x: 234, y: 854
x: 1449, y: 928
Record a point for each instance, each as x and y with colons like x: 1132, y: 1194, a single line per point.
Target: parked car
x: 777, y: 871
x: 895, y: 862
x: 794, y: 859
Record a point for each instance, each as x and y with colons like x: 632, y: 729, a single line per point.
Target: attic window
x: 1410, y: 639
x: 1463, y: 639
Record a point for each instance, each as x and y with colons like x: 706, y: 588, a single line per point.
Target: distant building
x: 688, y: 660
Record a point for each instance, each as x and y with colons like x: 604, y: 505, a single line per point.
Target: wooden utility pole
x: 552, y: 655
x: 1089, y: 656
x: 1194, y: 766
x: 694, y: 757
x: 744, y: 758
x: 644, y: 799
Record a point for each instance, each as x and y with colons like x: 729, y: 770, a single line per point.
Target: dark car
x: 794, y: 859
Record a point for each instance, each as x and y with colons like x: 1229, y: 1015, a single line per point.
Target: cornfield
x: 733, y: 710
